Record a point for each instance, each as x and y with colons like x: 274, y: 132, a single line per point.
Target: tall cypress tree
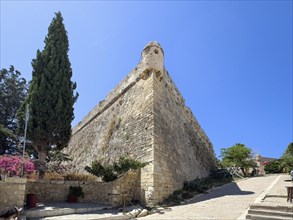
x: 51, y: 94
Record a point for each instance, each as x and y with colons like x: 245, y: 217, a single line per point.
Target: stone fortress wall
x: 145, y: 117
x: 122, y: 125
x: 182, y: 151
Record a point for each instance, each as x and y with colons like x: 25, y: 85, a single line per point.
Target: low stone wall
x: 110, y: 193
x: 12, y: 192
x: 126, y: 188
x: 57, y: 190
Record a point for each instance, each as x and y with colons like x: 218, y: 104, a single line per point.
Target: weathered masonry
x: 145, y: 117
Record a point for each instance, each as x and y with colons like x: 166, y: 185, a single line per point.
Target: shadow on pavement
x: 228, y: 189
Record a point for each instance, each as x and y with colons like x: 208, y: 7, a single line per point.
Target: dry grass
x: 69, y: 177
x: 32, y: 176
x: 53, y: 176
x: 80, y: 177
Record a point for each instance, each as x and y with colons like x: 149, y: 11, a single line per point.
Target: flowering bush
x: 11, y: 165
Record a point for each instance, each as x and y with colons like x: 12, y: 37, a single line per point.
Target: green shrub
x: 107, y: 173
x: 174, y: 198
x: 221, y: 174
x: 192, y: 186
x: 287, y: 162
x: 196, y: 186
x: 187, y: 195
x: 274, y: 166
x: 76, y: 191
x: 112, y: 172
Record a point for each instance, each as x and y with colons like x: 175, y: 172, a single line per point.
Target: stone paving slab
x: 62, y: 208
x: 227, y: 202
x: 280, y: 188
x: 277, y: 196
x: 99, y: 215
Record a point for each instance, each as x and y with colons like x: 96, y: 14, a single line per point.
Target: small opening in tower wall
x: 158, y: 74
x: 145, y: 74
x: 156, y: 51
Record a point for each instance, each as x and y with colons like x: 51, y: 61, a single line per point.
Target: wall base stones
x: 12, y: 192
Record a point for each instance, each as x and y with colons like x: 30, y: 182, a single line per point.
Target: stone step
x: 266, y: 217
x: 270, y: 213
x: 288, y: 208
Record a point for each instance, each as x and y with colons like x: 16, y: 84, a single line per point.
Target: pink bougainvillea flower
x: 12, y: 165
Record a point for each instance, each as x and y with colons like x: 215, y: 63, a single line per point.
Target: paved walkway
x: 277, y: 195
x: 228, y: 202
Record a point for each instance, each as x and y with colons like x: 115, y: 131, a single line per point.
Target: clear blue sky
x: 231, y: 60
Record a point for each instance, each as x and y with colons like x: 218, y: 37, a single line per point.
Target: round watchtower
x: 153, y: 59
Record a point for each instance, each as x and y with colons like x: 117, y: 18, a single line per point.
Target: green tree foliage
x: 239, y: 156
x: 97, y: 169
x: 51, y: 94
x: 112, y: 172
x: 289, y: 150
x: 274, y: 166
x: 287, y: 158
x: 13, y: 90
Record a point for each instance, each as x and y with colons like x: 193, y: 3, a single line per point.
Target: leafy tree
x: 51, y: 94
x: 238, y: 155
x: 289, y: 150
x: 274, y: 166
x: 287, y: 158
x: 13, y: 90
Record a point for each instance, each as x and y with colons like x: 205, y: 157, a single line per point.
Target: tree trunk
x: 243, y: 171
x: 41, y: 164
